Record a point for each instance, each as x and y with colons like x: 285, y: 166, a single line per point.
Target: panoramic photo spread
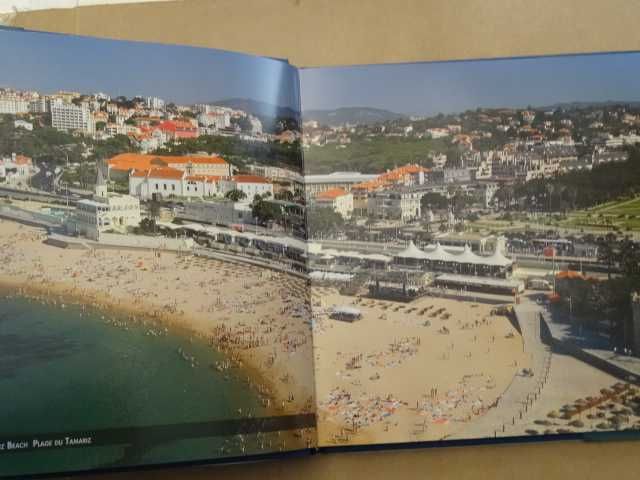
x: 209, y: 256
x: 474, y: 248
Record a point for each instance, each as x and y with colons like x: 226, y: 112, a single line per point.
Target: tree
x: 235, y: 195
x: 323, y: 220
x: 461, y: 201
x: 285, y: 195
x: 434, y: 201
x: 264, y: 212
x: 148, y: 225
x: 154, y: 208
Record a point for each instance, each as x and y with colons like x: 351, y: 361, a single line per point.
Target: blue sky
x: 51, y: 62
x: 448, y: 87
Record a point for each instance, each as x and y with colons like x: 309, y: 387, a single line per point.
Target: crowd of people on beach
x: 258, y: 318
x: 362, y: 368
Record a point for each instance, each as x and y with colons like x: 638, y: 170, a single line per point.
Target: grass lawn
x: 625, y: 207
x: 371, y: 155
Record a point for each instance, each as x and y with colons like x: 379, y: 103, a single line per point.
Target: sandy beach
x: 257, y: 317
x: 408, y: 372
x: 426, y: 370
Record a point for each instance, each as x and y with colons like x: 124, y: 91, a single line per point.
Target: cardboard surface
x: 334, y: 32
x: 338, y: 32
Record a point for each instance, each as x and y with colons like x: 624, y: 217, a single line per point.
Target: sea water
x: 68, y: 368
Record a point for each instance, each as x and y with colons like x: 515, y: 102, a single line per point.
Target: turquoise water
x: 65, y: 369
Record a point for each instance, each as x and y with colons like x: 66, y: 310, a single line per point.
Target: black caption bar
x: 156, y: 434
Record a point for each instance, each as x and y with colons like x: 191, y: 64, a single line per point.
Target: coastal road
x: 523, y: 390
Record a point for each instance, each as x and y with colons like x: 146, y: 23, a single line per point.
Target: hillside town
x: 82, y: 144
x: 150, y: 122
x: 416, y: 224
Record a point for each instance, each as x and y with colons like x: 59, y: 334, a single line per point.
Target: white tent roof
x: 439, y: 254
x: 497, y: 258
x: 412, y: 252
x: 467, y: 256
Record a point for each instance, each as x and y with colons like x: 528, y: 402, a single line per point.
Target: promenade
x: 524, y: 389
x: 591, y: 347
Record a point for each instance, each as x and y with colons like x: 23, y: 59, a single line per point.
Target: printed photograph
x: 474, y: 252
x: 153, y: 302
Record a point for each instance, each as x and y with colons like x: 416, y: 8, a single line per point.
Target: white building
x: 622, y: 140
x: 487, y: 192
x: 215, y: 120
x: 157, y: 140
x: 38, y: 105
x: 106, y: 211
x: 69, y: 117
x: 394, y: 204
x: 16, y: 169
x: 256, y: 125
x: 154, y: 103
x: 314, y: 184
x: 167, y: 182
x: 339, y: 200
x: 437, y: 132
x: 13, y: 105
x: 457, y: 175
x: 23, y: 124
x: 250, y: 185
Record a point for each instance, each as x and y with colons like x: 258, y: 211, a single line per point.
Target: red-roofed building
x: 17, y: 167
x: 407, y: 175
x: 179, y: 129
x: 123, y: 164
x: 167, y: 182
x: 337, y: 199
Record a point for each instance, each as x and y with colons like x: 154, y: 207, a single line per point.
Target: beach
x: 257, y: 318
x: 415, y: 371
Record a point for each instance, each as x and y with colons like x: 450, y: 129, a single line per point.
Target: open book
x: 209, y: 256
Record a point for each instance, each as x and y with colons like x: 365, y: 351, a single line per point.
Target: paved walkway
x: 229, y: 257
x: 593, y: 343
x: 523, y: 390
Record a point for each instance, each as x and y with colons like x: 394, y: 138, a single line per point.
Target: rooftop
x: 136, y: 161
x: 332, y: 194
x: 339, y: 177
x: 164, y: 172
x: 249, y: 179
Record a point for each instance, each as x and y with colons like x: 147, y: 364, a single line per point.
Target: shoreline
x: 254, y: 318
x: 104, y: 303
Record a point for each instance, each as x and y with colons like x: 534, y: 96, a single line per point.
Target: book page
x: 474, y: 248
x: 153, y: 308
